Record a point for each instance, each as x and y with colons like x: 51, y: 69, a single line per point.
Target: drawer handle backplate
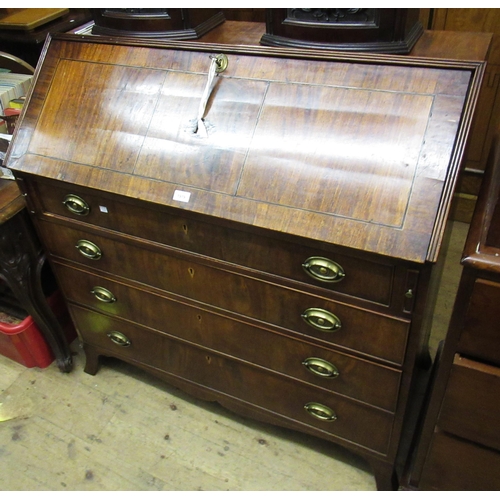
x: 103, y: 294
x: 76, y: 205
x: 323, y: 269
x: 89, y: 249
x: 321, y: 319
x: 321, y: 368
x: 119, y: 339
x: 321, y: 412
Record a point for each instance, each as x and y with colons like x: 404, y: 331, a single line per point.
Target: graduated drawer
x: 357, y: 329
x: 454, y: 464
x: 355, y: 422
x: 367, y: 279
x: 480, y: 337
x: 470, y: 407
x: 359, y: 379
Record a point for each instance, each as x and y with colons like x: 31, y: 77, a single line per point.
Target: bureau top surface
x: 357, y: 151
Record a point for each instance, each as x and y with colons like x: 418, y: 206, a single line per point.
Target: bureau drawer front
x: 455, y: 464
x: 480, y: 337
x: 355, y: 422
x: 470, y: 407
x: 368, y: 279
x: 362, y: 331
x: 363, y: 380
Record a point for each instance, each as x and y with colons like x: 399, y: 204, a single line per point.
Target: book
x: 17, y: 103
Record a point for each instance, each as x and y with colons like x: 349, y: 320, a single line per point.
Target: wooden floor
x: 124, y: 430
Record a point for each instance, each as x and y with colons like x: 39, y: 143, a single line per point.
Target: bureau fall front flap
x: 356, y: 152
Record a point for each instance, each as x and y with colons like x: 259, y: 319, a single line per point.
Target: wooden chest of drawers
x: 281, y: 263
x: 459, y: 445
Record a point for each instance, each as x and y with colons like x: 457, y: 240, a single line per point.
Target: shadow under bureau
x: 257, y: 226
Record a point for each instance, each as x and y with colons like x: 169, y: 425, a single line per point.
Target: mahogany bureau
x: 257, y: 226
x: 459, y: 444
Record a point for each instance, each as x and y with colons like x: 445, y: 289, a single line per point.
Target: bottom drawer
x: 329, y: 413
x: 455, y: 464
x: 470, y: 406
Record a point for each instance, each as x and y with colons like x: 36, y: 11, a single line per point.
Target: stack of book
x: 13, y: 87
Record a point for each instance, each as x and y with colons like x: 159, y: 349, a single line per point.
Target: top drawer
x: 480, y: 337
x: 332, y: 270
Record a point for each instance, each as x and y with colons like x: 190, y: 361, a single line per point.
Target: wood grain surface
x: 359, y: 154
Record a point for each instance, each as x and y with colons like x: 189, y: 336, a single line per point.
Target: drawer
x: 357, y: 329
x: 354, y: 421
x: 359, y: 379
x: 367, y: 279
x: 457, y: 465
x: 480, y: 337
x: 471, y: 405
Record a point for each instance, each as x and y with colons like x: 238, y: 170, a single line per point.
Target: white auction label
x: 182, y: 195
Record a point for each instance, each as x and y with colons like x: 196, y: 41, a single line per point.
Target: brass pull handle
x: 322, y: 269
x: 76, y: 205
x: 321, y: 368
x: 89, y: 249
x: 320, y: 412
x: 119, y: 339
x: 103, y: 294
x: 321, y: 319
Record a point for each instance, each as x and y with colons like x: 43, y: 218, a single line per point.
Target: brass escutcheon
x: 221, y: 61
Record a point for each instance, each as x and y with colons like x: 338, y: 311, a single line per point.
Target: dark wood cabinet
x: 459, y: 445
x: 174, y: 24
x: 485, y: 21
x: 277, y: 257
x: 389, y: 31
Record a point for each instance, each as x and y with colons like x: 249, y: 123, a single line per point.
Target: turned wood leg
x: 92, y: 360
x: 385, y: 475
x: 21, y: 262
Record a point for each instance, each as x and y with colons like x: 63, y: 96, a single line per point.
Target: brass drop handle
x: 321, y: 319
x: 119, y: 339
x: 321, y: 368
x: 89, y: 249
x: 323, y: 269
x: 321, y: 412
x: 76, y: 205
x: 103, y: 294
